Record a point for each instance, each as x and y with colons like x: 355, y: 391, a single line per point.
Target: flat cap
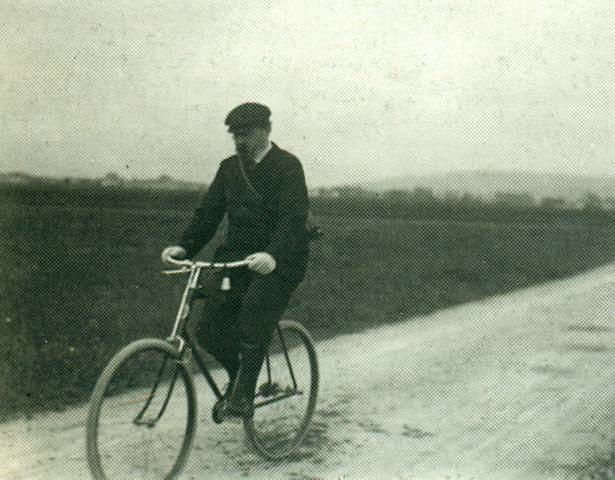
x: 248, y: 115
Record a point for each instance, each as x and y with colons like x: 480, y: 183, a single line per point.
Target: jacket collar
x: 272, y: 152
x: 263, y: 153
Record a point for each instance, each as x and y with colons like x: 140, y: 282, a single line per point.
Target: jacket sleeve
x: 292, y: 212
x: 207, y: 217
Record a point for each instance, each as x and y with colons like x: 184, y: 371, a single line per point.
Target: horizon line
x: 319, y: 185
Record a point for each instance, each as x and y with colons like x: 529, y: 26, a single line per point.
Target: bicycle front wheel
x: 286, y: 393
x: 142, y: 414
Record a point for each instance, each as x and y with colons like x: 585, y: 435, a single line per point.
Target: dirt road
x: 519, y: 386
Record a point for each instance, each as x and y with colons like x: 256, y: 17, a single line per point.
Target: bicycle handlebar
x: 225, y: 265
x: 195, y: 267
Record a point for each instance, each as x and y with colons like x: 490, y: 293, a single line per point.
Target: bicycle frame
x: 146, y: 398
x: 194, y: 269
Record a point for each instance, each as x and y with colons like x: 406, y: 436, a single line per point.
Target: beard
x: 243, y: 151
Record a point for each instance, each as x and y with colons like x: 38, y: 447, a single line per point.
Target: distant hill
x: 112, y: 179
x: 487, y: 182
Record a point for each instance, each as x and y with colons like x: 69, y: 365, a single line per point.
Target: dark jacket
x: 269, y: 217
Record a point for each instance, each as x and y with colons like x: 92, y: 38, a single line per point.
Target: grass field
x: 81, y: 278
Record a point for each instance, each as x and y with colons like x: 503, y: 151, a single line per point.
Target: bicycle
x: 143, y: 407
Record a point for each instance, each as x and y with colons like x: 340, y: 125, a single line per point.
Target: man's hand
x: 261, y: 262
x: 173, y: 252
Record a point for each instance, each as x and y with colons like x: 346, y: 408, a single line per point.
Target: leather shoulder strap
x: 246, y: 180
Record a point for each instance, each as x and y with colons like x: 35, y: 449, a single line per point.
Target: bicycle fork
x: 175, y: 364
x: 182, y: 314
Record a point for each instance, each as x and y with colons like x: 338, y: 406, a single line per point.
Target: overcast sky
x: 359, y: 89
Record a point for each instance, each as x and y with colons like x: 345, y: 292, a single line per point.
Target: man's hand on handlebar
x: 261, y: 262
x: 173, y: 252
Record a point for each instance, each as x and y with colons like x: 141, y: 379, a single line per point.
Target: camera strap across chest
x: 251, y: 189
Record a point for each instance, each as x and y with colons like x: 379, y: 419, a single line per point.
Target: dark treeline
x: 441, y: 209
x: 97, y: 196
x: 353, y: 205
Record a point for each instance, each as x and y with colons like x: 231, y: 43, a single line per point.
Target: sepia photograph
x: 326, y: 240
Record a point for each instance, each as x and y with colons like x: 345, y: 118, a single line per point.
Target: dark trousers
x: 242, y: 318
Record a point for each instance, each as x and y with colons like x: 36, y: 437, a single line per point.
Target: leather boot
x: 241, y: 402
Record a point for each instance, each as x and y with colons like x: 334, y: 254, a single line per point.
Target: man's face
x: 249, y: 141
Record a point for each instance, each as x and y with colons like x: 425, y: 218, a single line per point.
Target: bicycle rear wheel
x: 286, y: 393
x: 142, y: 414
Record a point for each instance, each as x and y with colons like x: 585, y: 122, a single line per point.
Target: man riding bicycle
x: 262, y: 190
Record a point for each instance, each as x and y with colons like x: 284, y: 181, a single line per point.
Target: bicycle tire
x: 120, y: 380
x: 272, y: 444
